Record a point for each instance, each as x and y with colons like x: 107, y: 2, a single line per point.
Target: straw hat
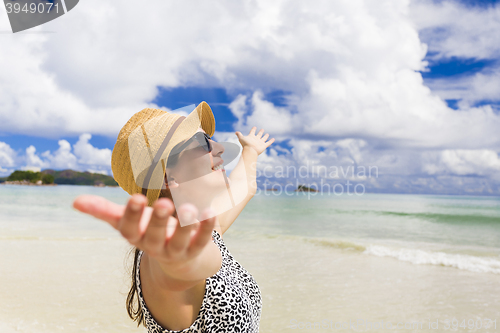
x: 144, y: 143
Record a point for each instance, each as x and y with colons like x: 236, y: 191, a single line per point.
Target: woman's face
x: 194, y: 168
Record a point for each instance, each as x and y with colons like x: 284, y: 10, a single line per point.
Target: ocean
x: 371, y: 262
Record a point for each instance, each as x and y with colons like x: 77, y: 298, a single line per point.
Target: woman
x: 182, y: 280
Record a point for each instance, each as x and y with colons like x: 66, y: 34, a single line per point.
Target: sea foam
x: 419, y: 257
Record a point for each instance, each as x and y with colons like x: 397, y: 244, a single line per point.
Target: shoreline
x: 25, y: 183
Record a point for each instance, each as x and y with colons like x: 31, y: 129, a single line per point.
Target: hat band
x: 160, y: 152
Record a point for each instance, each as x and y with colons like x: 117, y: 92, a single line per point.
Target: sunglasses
x: 203, y: 140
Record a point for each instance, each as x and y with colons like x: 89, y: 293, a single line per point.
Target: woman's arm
x: 244, y: 175
x: 243, y: 186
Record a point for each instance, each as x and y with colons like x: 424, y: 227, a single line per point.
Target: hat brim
x: 231, y: 151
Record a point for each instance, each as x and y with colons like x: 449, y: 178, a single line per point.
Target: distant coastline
x: 26, y: 183
x: 49, y: 177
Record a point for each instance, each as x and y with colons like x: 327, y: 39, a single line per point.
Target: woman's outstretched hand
x: 255, y: 141
x: 154, y: 230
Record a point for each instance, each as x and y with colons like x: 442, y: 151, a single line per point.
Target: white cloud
x: 409, y: 171
x: 33, y: 160
x: 354, y: 147
x: 239, y: 108
x: 452, y: 29
x: 263, y: 114
x: 335, y: 159
x: 81, y: 157
x: 478, y: 87
x: 88, y: 154
x: 7, y: 155
x: 62, y: 158
x: 461, y: 162
x: 398, y: 110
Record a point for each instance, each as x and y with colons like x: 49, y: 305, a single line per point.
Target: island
x: 53, y: 177
x: 303, y: 188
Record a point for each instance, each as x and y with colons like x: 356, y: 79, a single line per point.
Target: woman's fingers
x: 129, y: 224
x: 146, y: 227
x: 265, y: 137
x: 259, y: 135
x: 154, y: 239
x: 100, y: 208
x: 203, y: 234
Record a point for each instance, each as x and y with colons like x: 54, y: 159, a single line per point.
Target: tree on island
x: 63, y: 177
x: 31, y: 176
x: 303, y: 188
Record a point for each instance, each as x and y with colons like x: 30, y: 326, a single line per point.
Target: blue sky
x: 409, y: 88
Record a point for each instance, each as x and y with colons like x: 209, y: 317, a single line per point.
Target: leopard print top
x: 232, y: 301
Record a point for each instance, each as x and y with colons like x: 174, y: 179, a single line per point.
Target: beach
x: 323, y: 263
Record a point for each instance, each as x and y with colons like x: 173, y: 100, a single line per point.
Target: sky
x: 394, y: 96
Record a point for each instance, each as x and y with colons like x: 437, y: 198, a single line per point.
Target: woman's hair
x: 133, y: 305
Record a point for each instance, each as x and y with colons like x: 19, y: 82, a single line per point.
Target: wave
x: 466, y: 262
x: 420, y: 257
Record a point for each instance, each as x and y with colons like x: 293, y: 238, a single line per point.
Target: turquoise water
x: 445, y: 224
x: 36, y: 211
x: 452, y: 220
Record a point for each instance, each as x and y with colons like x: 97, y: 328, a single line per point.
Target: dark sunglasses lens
x: 201, y: 138
x: 204, y: 141
x: 209, y: 144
